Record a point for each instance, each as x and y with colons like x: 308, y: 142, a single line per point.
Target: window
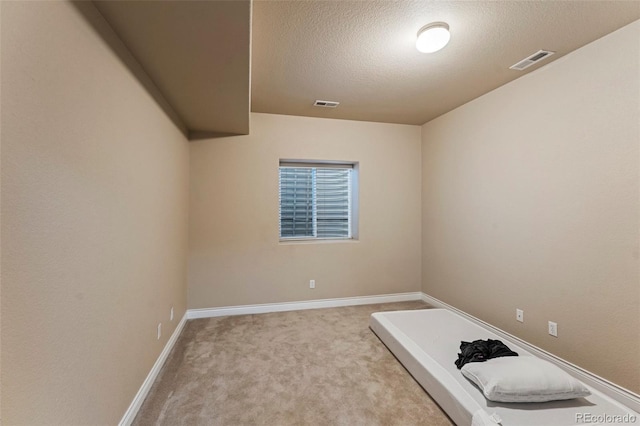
x: 316, y: 200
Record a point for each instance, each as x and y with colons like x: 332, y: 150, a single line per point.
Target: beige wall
x: 94, y: 220
x: 530, y: 200
x: 235, y: 257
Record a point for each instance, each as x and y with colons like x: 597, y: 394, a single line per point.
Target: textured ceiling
x: 362, y: 53
x: 214, y: 60
x: 196, y: 52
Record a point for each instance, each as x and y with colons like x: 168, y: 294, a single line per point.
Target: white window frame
x: 353, y: 198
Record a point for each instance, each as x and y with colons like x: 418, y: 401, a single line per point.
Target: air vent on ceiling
x: 326, y: 104
x: 532, y: 59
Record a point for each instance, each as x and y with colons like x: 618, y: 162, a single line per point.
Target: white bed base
x: 618, y: 393
x: 427, y: 341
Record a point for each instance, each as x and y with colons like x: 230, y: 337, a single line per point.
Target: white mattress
x: 427, y: 343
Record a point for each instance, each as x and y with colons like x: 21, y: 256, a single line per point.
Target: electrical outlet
x: 520, y: 315
x: 553, y: 329
x: 312, y: 283
x: 171, y: 315
x: 159, y: 330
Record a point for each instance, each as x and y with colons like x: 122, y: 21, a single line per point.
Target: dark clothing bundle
x: 482, y: 350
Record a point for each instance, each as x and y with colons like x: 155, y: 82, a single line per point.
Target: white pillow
x: 523, y: 379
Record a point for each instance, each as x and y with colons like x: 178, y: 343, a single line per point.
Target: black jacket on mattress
x: 482, y: 350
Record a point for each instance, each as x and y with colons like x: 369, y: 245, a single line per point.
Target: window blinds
x: 315, y: 202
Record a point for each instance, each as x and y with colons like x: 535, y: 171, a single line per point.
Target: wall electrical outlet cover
x: 159, y: 330
x: 520, y: 315
x: 553, y: 329
x: 312, y: 283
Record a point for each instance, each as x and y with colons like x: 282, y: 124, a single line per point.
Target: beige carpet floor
x: 312, y: 367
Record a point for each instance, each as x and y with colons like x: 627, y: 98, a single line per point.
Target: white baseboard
x: 297, y: 306
x: 618, y: 393
x: 132, y: 411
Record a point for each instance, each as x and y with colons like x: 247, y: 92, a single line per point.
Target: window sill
x: 317, y: 241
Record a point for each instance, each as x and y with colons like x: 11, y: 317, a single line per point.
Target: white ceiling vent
x: 326, y: 104
x: 532, y: 59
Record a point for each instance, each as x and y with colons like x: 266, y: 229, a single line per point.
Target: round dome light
x: 433, y: 37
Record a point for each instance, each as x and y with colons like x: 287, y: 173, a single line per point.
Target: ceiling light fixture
x: 433, y: 37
